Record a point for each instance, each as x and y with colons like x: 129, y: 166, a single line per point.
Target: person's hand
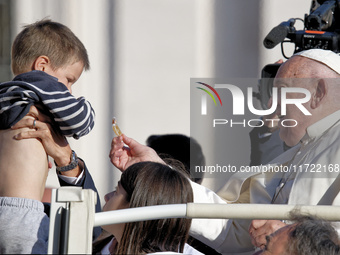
x: 54, y: 143
x: 259, y: 229
x: 40, y: 128
x: 124, y: 156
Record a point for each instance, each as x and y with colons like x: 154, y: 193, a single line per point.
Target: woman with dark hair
x: 147, y: 184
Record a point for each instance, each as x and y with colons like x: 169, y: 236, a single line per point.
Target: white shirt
x: 73, y: 180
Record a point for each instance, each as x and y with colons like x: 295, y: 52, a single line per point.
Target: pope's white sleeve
x: 225, y: 236
x: 209, y: 231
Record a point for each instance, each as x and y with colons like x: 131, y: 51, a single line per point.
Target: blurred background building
x: 143, y: 54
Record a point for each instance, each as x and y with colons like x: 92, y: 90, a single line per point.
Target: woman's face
x: 116, y: 200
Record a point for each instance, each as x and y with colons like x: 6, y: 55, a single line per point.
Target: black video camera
x: 321, y: 31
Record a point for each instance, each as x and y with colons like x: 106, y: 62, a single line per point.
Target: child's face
x: 67, y: 75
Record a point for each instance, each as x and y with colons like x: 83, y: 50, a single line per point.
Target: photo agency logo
x: 204, y: 97
x: 280, y: 100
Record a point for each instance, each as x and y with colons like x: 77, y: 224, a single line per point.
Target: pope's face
x: 294, y: 123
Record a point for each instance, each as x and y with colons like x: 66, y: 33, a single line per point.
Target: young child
x: 47, y: 59
x: 45, y: 74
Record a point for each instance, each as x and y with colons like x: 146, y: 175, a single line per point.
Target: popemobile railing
x: 72, y: 216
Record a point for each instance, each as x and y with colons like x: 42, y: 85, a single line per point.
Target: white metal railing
x: 140, y: 214
x: 73, y: 216
x: 214, y: 211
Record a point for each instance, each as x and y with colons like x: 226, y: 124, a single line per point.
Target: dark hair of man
x: 313, y: 236
x: 180, y: 147
x: 47, y: 38
x: 149, y: 183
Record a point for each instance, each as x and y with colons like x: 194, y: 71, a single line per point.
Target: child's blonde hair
x: 47, y: 38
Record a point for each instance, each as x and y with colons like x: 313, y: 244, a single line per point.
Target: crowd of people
x: 38, y: 111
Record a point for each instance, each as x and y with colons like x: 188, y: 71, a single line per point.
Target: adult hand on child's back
x: 55, y: 144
